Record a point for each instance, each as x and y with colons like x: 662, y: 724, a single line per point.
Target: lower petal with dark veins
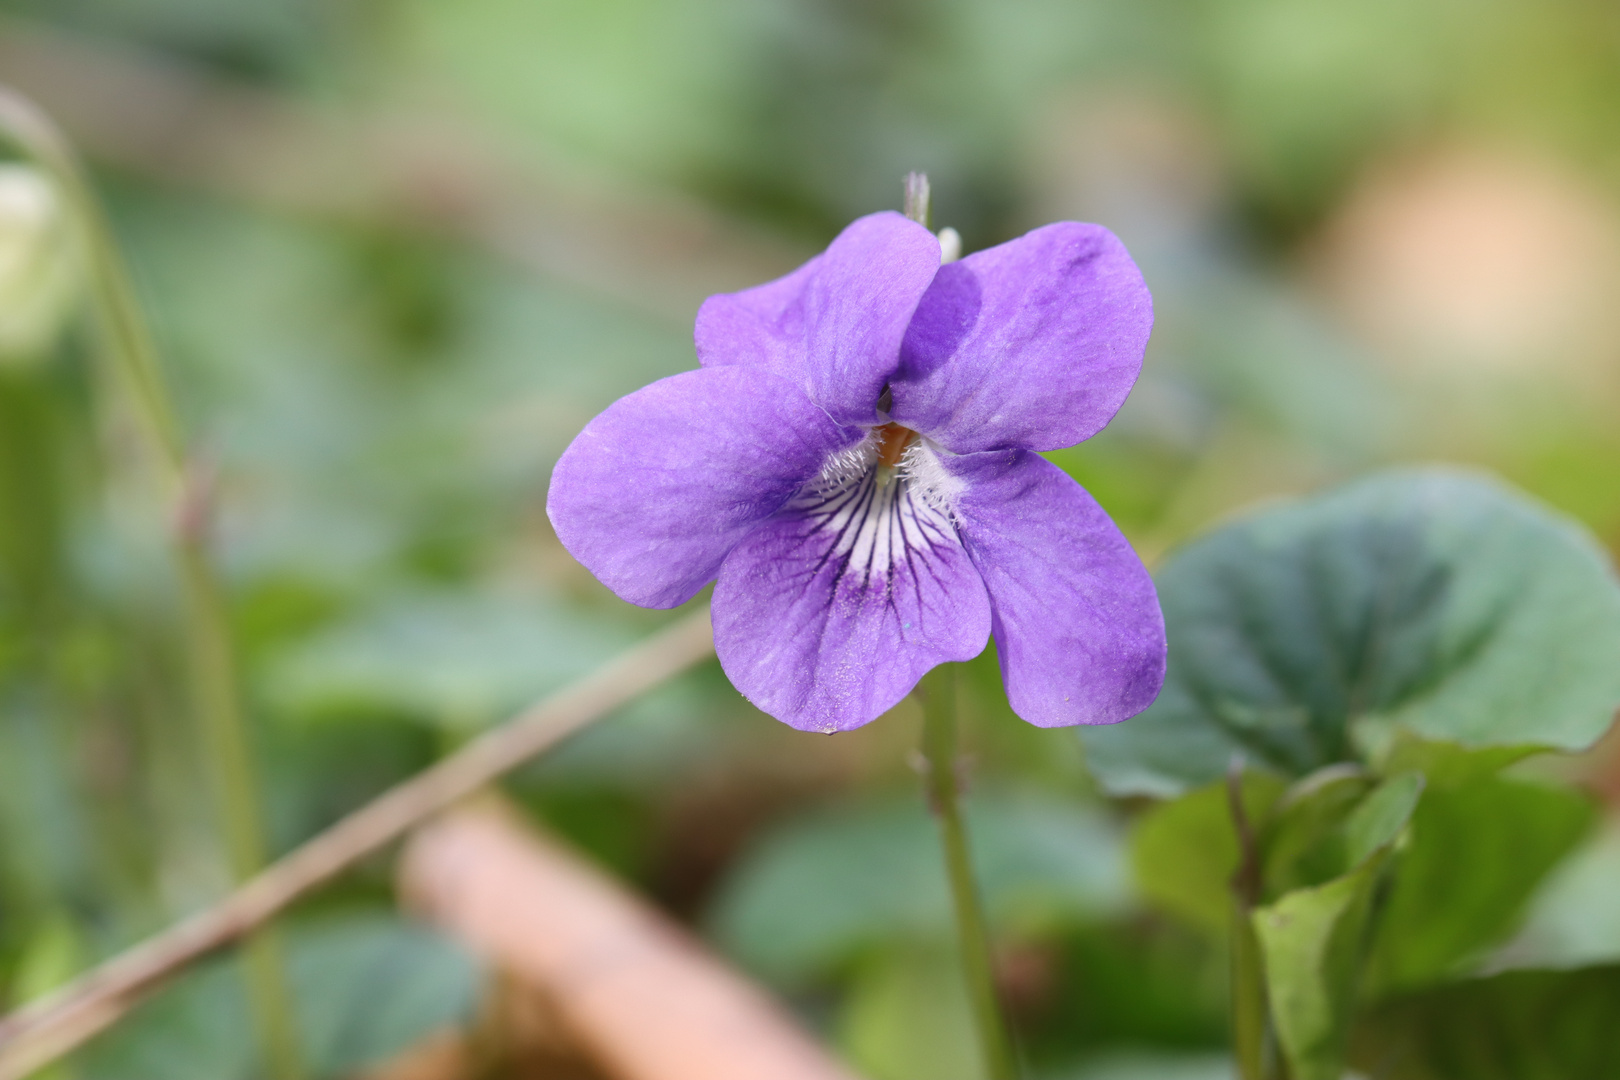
x: 828, y: 614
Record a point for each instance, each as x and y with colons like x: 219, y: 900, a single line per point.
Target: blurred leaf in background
x: 366, y: 987
x: 1572, y: 920
x: 463, y: 660
x: 817, y: 891
x: 1520, y: 1023
x: 1479, y: 851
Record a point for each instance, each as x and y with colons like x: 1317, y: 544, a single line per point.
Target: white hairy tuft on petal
x: 928, y: 478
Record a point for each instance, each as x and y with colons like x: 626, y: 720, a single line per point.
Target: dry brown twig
x: 638, y: 997
x: 64, y: 1020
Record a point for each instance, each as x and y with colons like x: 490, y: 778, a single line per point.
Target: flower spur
x: 855, y: 465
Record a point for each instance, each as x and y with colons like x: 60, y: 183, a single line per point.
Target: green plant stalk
x: 938, y: 694
x: 216, y: 689
x: 1252, y: 1040
x: 973, y: 937
x: 1248, y: 997
x: 217, y: 694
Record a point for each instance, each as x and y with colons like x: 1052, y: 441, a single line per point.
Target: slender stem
x: 973, y: 937
x: 216, y: 691
x: 1251, y: 1018
x: 216, y: 688
x: 1248, y: 997
x: 45, y: 1029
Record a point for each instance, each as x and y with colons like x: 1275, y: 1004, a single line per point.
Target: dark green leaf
x: 1521, y: 1025
x: 1477, y: 853
x: 1436, y: 601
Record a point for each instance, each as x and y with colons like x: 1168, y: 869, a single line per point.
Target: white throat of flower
x: 874, y: 517
x: 919, y: 471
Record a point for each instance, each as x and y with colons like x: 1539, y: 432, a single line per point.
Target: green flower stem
x: 216, y: 687
x: 938, y: 693
x: 1251, y: 1017
x: 216, y: 691
x: 1248, y: 997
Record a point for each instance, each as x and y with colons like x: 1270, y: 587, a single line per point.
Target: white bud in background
x: 950, y: 245
x: 39, y: 264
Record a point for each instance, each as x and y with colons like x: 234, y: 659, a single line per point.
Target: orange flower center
x: 892, y: 441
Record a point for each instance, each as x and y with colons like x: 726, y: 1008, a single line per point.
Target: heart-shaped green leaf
x: 1435, y: 602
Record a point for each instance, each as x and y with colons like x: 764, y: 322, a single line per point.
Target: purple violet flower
x: 855, y: 461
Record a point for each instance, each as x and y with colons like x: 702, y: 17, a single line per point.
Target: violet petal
x: 1032, y: 344
x: 827, y: 615
x: 834, y: 325
x: 657, y: 489
x: 1077, y: 621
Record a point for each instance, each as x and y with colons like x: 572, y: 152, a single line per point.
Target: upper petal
x: 657, y: 489
x: 1032, y: 344
x: 827, y: 615
x: 762, y: 327
x: 1077, y: 621
x: 834, y: 325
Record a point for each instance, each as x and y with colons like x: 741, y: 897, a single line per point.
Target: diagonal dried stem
x: 211, y: 660
x: 55, y: 1025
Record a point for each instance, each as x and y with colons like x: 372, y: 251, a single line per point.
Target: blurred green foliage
x: 1351, y: 644
x: 1426, y: 602
x: 1521, y: 1023
x: 366, y: 988
x: 383, y: 397
x: 820, y: 890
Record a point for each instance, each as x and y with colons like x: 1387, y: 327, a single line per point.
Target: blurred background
x: 399, y: 251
